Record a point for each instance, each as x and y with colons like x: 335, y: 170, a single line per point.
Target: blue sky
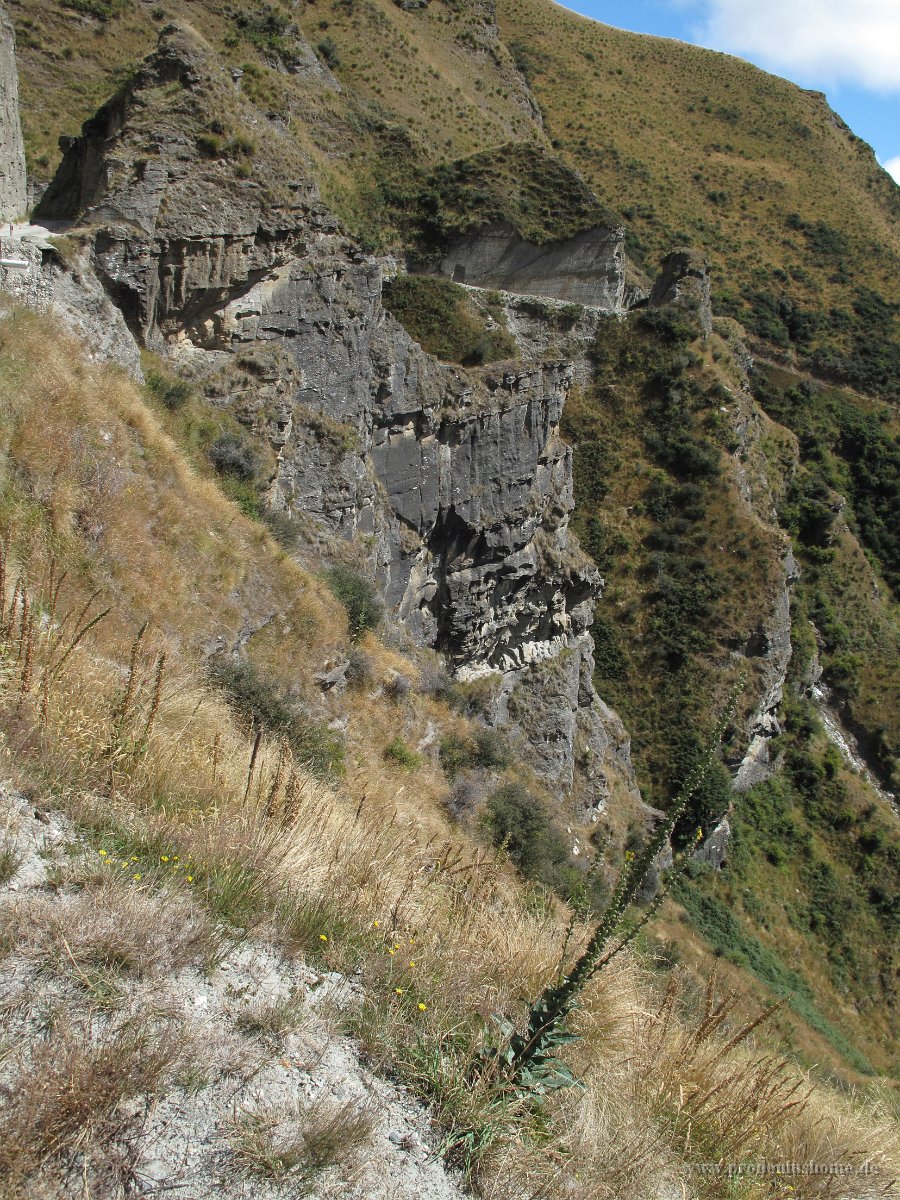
x: 849, y: 49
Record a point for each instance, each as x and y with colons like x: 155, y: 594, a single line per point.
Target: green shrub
x: 259, y: 702
x: 485, y: 749
x: 171, y: 393
x: 518, y: 821
x: 328, y: 52
x: 358, y: 596
x: 234, y: 456
x: 440, y: 316
x: 398, y: 752
x: 210, y: 145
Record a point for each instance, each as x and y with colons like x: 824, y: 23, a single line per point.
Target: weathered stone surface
x: 13, y: 191
x: 684, y: 281
x: 586, y: 269
x: 71, y: 292
x: 455, y: 484
x: 714, y: 850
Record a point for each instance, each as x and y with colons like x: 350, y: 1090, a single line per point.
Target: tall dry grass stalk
x: 434, y: 923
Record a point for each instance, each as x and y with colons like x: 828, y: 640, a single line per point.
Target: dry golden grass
x: 110, y: 925
x: 94, y: 483
x: 65, y: 1095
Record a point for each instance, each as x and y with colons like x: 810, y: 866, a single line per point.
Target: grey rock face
x: 586, y: 269
x: 73, y: 294
x: 714, y: 849
x: 455, y: 484
x: 13, y: 192
x: 772, y: 644
x: 684, y: 281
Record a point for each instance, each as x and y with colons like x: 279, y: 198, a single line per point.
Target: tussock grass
x: 111, y: 925
x: 66, y: 1093
x: 297, y: 1145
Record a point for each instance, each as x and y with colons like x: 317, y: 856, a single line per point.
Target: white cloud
x: 892, y: 166
x: 833, y: 40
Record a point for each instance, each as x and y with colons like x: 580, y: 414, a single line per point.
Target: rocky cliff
x: 13, y: 199
x: 454, y: 485
x: 586, y: 269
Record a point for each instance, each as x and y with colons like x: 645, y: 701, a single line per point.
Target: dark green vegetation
x: 846, y: 487
x: 263, y: 705
x: 439, y: 315
x: 674, y: 548
x: 517, y: 820
x: 358, y: 596
x: 516, y: 184
x: 812, y: 878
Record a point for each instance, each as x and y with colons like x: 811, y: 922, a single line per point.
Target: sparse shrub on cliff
x: 465, y: 797
x: 519, y: 822
x: 328, y: 52
x: 440, y: 316
x: 172, y: 393
x: 232, y: 455
x: 485, y: 749
x: 261, y: 703
x: 399, y: 753
x: 103, y: 10
x: 359, y: 667
x: 358, y: 596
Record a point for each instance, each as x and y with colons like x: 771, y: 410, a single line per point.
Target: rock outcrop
x: 454, y: 484
x: 684, y: 281
x: 13, y: 193
x: 586, y: 269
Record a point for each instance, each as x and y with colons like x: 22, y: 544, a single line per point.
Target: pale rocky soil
x: 183, y: 1140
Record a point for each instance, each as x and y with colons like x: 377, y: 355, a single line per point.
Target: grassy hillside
x: 689, y: 146
x: 696, y: 147
x: 442, y: 120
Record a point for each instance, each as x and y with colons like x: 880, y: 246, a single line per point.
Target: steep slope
x: 695, y: 147
x: 231, y: 198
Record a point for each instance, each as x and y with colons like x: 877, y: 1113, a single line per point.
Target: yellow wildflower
x: 137, y: 877
x: 399, y: 991
x: 323, y: 937
x: 189, y: 878
x: 422, y: 1007
x: 102, y: 853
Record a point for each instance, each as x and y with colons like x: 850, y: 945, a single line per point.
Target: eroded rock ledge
x: 454, y: 483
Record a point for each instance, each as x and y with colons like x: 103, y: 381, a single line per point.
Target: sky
x: 849, y: 49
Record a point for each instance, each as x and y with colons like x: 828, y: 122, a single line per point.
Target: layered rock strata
x: 588, y: 268
x: 455, y: 484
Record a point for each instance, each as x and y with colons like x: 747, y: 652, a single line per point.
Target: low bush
x: 399, y: 753
x: 264, y: 707
x: 235, y: 457
x: 519, y: 822
x: 440, y: 316
x: 358, y: 596
x: 171, y: 393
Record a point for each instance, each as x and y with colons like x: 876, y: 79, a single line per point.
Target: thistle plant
x: 527, y: 1061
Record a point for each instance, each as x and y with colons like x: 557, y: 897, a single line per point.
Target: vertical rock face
x: 13, y: 197
x: 684, y: 281
x: 586, y: 269
x: 454, y: 484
